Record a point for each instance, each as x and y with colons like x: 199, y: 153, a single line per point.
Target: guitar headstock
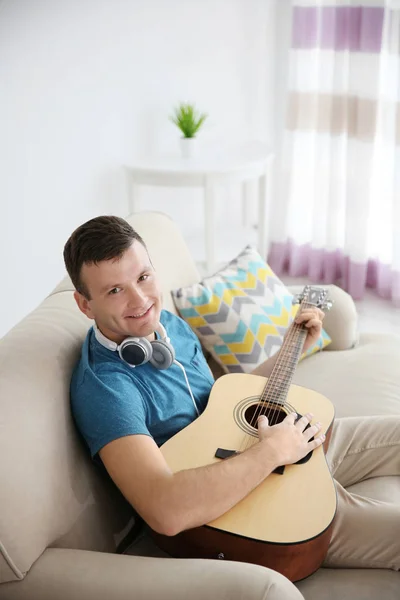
x: 314, y: 296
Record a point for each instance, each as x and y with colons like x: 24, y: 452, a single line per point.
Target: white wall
x: 87, y: 84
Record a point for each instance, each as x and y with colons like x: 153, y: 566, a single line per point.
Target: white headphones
x: 136, y: 351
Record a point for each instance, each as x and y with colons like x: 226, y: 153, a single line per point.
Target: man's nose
x: 136, y: 297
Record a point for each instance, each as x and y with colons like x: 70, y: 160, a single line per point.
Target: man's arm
x: 266, y: 368
x: 171, y: 503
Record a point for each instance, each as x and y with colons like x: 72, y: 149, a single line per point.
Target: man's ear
x: 83, y: 305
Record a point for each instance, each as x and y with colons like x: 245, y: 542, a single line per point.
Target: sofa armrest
x: 63, y: 574
x: 341, y: 322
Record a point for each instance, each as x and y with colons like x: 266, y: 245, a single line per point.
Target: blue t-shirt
x: 110, y: 399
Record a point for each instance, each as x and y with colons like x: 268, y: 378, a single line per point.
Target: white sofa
x: 61, y: 519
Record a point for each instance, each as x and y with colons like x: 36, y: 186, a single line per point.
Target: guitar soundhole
x: 274, y: 413
x: 247, y: 411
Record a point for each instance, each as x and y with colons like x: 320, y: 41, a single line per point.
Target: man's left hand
x: 312, y: 319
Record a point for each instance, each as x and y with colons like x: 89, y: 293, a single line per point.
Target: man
x: 126, y: 413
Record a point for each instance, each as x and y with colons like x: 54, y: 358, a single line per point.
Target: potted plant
x: 187, y: 119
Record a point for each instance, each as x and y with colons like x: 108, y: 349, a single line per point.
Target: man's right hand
x: 288, y: 441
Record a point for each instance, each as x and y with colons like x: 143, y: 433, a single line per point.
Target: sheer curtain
x: 338, y: 215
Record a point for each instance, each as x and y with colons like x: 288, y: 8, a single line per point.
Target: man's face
x: 125, y: 295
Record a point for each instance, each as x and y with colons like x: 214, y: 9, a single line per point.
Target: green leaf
x: 187, y: 119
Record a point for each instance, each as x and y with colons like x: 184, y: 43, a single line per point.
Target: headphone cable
x: 188, y: 386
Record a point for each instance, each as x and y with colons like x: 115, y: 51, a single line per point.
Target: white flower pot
x: 188, y: 147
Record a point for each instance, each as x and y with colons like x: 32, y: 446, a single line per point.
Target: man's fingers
x: 290, y: 418
x: 312, y: 311
x: 304, y: 421
x: 313, y: 323
x: 316, y: 442
x: 262, y: 422
x: 311, y: 431
x: 308, y: 314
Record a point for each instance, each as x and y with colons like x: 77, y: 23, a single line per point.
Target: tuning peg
x: 326, y: 306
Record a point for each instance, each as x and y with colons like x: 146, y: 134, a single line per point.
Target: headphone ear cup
x: 135, y: 351
x: 163, y: 354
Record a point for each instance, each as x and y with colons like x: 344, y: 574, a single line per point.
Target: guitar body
x: 285, y: 523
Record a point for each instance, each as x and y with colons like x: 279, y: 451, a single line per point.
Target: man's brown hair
x: 101, y: 238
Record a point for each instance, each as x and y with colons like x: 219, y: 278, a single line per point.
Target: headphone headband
x: 104, y: 341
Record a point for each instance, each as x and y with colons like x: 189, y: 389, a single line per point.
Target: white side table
x: 250, y: 162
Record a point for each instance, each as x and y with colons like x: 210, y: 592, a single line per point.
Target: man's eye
x: 114, y: 291
x: 143, y: 277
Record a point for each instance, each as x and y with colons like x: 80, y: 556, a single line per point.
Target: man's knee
x: 243, y: 581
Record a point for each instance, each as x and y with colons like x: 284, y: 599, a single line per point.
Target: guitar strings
x: 267, y: 404
x: 268, y: 396
x: 281, y: 381
x: 286, y: 362
x: 250, y: 440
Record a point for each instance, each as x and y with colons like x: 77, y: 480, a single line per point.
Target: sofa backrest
x: 51, y: 494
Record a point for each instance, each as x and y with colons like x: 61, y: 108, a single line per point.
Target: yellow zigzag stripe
x: 212, y: 306
x: 295, y: 309
x: 244, y: 347
x: 282, y: 319
x: 264, y: 272
x: 251, y: 280
x: 229, y: 295
x: 197, y: 322
x: 263, y: 331
x: 228, y: 359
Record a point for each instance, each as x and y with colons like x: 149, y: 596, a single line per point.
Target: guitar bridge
x: 223, y: 453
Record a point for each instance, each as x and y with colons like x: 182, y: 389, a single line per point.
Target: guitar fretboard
x: 278, y: 384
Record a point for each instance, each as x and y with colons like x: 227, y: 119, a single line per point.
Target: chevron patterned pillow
x: 241, y: 313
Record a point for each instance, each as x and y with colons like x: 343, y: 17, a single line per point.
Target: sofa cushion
x: 351, y: 584
x: 362, y: 381
x: 241, y: 313
x: 51, y: 495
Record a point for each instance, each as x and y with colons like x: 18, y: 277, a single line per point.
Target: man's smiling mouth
x: 140, y: 315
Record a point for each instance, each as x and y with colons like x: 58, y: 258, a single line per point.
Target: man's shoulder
x: 106, y: 403
x: 85, y: 359
x: 80, y: 365
x: 95, y: 370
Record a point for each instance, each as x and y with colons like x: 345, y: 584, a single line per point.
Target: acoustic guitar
x: 285, y: 523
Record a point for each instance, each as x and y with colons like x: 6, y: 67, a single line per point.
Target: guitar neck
x: 289, y: 354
